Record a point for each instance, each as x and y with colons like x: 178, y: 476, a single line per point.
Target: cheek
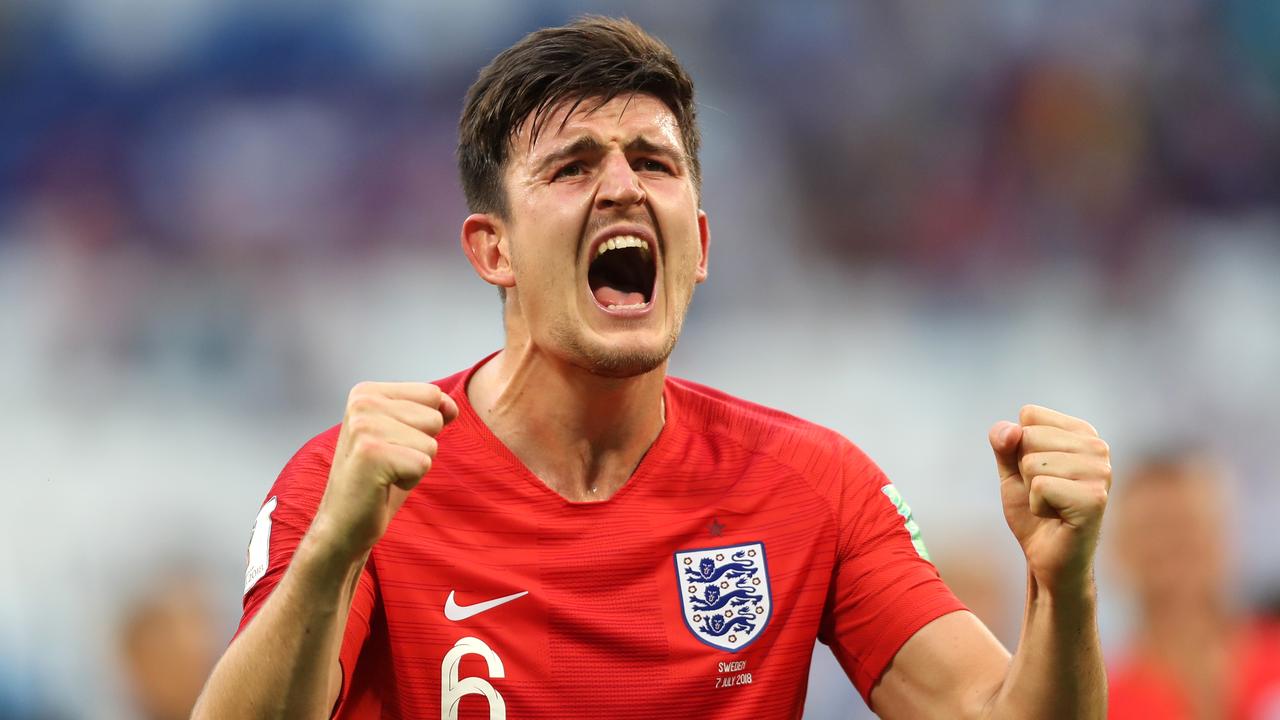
x: 687, y: 252
x: 679, y: 223
x: 544, y: 278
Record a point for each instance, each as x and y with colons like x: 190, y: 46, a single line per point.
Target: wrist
x: 1073, y: 596
x: 331, y: 536
x: 328, y: 557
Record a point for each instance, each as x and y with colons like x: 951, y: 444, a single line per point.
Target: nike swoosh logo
x: 456, y: 612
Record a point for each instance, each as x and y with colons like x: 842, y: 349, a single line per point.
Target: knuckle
x: 1100, y: 447
x: 366, y: 446
x: 430, y: 446
x: 362, y: 403
x: 1026, y: 414
x: 359, y: 424
x: 1098, y: 497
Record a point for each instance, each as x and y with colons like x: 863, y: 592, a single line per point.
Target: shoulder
x: 456, y: 384
x: 307, y: 472
x: 810, y: 449
x: 309, y: 466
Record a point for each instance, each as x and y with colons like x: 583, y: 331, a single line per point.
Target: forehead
x: 620, y: 120
x: 1182, y: 495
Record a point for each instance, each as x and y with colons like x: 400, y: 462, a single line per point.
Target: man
x: 592, y: 538
x: 1193, y: 654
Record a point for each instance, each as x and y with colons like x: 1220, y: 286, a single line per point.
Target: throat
x: 622, y: 274
x: 581, y: 435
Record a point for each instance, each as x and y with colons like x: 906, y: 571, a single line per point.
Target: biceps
x: 335, y: 687
x: 951, y: 668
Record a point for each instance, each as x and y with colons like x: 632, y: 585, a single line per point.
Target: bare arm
x: 1058, y: 671
x: 1055, y: 473
x: 955, y: 668
x: 285, y: 662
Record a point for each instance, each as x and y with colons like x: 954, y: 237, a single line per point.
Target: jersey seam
x: 832, y: 513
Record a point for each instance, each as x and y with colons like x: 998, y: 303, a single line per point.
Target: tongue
x: 606, y: 296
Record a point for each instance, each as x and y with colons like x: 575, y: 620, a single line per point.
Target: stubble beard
x: 609, y: 362
x: 606, y: 361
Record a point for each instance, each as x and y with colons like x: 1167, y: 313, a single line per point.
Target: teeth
x: 633, y: 306
x: 622, y: 241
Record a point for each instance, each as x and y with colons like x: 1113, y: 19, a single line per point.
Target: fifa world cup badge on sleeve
x: 724, y: 594
x: 258, y: 556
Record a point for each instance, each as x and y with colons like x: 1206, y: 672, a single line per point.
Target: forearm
x: 1057, y: 671
x: 285, y: 662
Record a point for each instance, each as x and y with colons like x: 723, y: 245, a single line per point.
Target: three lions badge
x: 724, y: 593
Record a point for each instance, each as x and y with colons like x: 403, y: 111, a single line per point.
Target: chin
x: 613, y: 352
x: 624, y: 363
x: 618, y: 359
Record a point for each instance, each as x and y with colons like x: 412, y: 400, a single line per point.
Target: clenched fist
x: 387, y: 443
x: 1055, y: 473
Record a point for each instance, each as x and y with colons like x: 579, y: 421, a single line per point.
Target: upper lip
x: 614, y: 231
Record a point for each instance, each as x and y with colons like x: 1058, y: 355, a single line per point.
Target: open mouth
x: 622, y: 273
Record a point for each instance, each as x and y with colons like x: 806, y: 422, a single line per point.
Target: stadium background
x: 216, y: 216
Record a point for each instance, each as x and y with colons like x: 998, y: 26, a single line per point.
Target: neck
x: 1193, y: 642
x: 580, y: 433
x: 1188, y: 626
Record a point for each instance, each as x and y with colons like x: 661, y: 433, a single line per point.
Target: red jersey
x: 697, y: 590
x: 1140, y: 688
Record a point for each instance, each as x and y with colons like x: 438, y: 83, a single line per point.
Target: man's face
x: 604, y: 235
x: 1171, y: 541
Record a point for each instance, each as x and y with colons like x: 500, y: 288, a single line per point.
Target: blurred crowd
x: 215, y: 215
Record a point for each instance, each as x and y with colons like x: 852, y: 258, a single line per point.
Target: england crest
x: 724, y: 594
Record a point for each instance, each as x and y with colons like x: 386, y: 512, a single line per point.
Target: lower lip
x: 623, y: 312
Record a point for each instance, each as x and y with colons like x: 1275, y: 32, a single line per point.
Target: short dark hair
x: 592, y: 59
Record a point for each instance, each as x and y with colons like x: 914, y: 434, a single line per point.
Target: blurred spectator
x: 1193, y: 655
x: 167, y: 648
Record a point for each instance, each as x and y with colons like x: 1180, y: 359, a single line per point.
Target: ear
x: 488, y: 249
x: 704, y: 239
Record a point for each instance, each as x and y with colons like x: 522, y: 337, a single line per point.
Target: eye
x: 571, y: 170
x: 652, y: 165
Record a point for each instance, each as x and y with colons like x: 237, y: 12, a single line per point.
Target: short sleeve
x: 282, y: 520
x: 884, y: 587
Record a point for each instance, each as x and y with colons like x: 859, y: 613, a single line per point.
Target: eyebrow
x: 587, y: 145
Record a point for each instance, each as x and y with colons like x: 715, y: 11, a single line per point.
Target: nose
x: 619, y: 184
